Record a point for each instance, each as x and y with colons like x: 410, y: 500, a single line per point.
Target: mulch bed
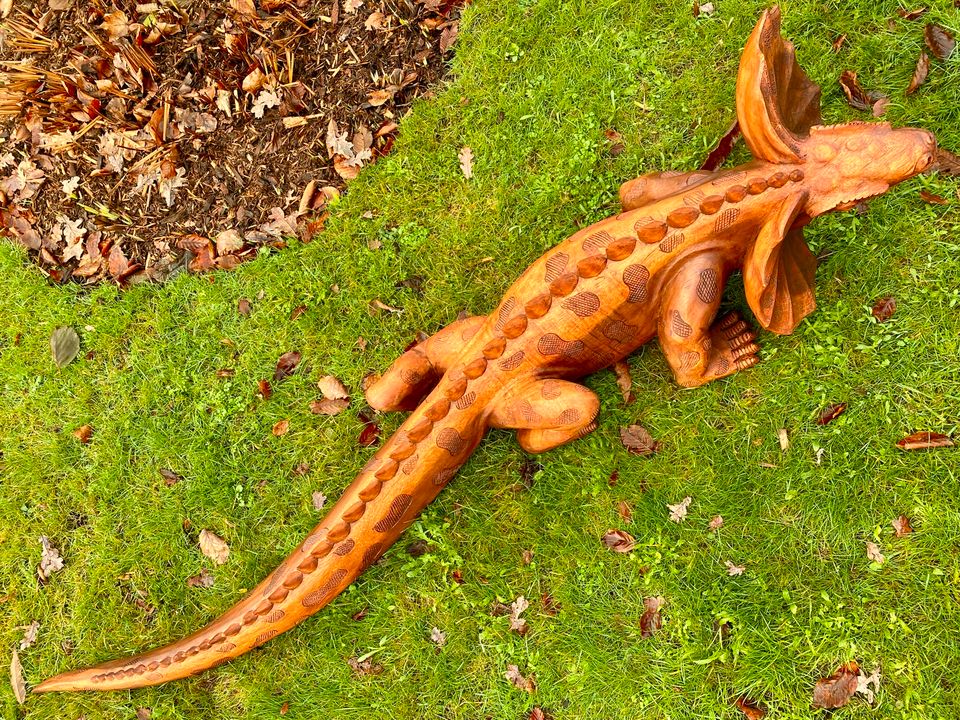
x: 146, y: 138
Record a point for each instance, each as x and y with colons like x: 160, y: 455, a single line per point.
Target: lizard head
x: 847, y: 163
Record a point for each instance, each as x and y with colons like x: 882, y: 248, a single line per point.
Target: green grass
x: 534, y: 86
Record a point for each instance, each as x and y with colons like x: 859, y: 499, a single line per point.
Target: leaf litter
x: 138, y: 133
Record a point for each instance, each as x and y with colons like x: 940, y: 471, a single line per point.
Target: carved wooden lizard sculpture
x: 658, y: 268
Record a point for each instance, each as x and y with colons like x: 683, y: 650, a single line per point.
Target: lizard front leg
x: 546, y: 413
x: 698, y: 348
x: 414, y: 373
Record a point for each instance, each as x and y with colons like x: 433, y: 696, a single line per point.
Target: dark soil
x: 142, y: 138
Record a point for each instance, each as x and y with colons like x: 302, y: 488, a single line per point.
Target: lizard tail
x: 401, y: 479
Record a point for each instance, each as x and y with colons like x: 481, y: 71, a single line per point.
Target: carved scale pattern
x: 320, y: 544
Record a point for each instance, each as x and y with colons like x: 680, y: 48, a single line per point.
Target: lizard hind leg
x: 414, y: 373
x: 547, y: 413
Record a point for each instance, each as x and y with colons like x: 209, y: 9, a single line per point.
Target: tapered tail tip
x: 78, y: 680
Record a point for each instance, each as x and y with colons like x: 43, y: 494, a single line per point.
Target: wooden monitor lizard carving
x: 656, y: 269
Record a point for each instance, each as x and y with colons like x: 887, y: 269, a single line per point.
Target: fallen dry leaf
x: 318, y: 499
x: 716, y: 523
x: 911, y: 14
x: 920, y: 73
x: 874, y: 554
x: 326, y: 406
x: 466, y: 161
x: 16, y: 679
x: 733, y: 569
x: 204, y: 580
x: 370, y: 435
x: 940, y: 40
x: 783, y: 437
x: 831, y: 413
x: 925, y: 441
x: 438, y: 637
x: 281, y: 428
x: 637, y: 440
x: 835, y: 691
x: 331, y: 388
x: 64, y: 345
x: 616, y: 142
x: 857, y: 97
x: 264, y: 390
x: 50, y: 560
x: 517, y: 623
x: 651, y: 621
x: 865, y: 681
x: 679, y: 511
x: 214, y: 547
x: 884, y: 308
x: 623, y: 508
x: 30, y: 635
x: 838, y: 43
x: 618, y: 540
x: 448, y: 36
x: 244, y: 306
x: 933, y: 198
x: 517, y: 679
x: 550, y: 604
x: 527, y: 557
x: 365, y: 667
x: 83, y: 433
x: 751, y: 709
x: 902, y: 526
x: 622, y: 370
x: 286, y: 365
x: 170, y: 478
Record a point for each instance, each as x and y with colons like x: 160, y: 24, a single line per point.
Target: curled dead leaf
x: 622, y: 370
x: 933, y: 198
x: 902, y: 526
x: 925, y: 441
x: 920, y: 73
x: 831, y: 413
x: 517, y: 679
x: 836, y: 690
x: 679, y: 511
x: 857, y: 97
x: 281, y: 427
x: 16, y: 679
x: 286, y: 365
x: 83, y: 433
x: 618, y: 540
x: 751, y: 709
x: 884, y: 308
x: 651, y: 621
x: 466, y: 161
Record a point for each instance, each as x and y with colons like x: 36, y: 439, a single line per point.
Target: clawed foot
x: 733, y: 346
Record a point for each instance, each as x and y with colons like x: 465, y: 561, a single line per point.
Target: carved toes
x: 729, y: 320
x: 751, y: 349
x: 746, y: 362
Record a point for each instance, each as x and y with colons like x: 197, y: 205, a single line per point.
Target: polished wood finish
x: 656, y: 269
